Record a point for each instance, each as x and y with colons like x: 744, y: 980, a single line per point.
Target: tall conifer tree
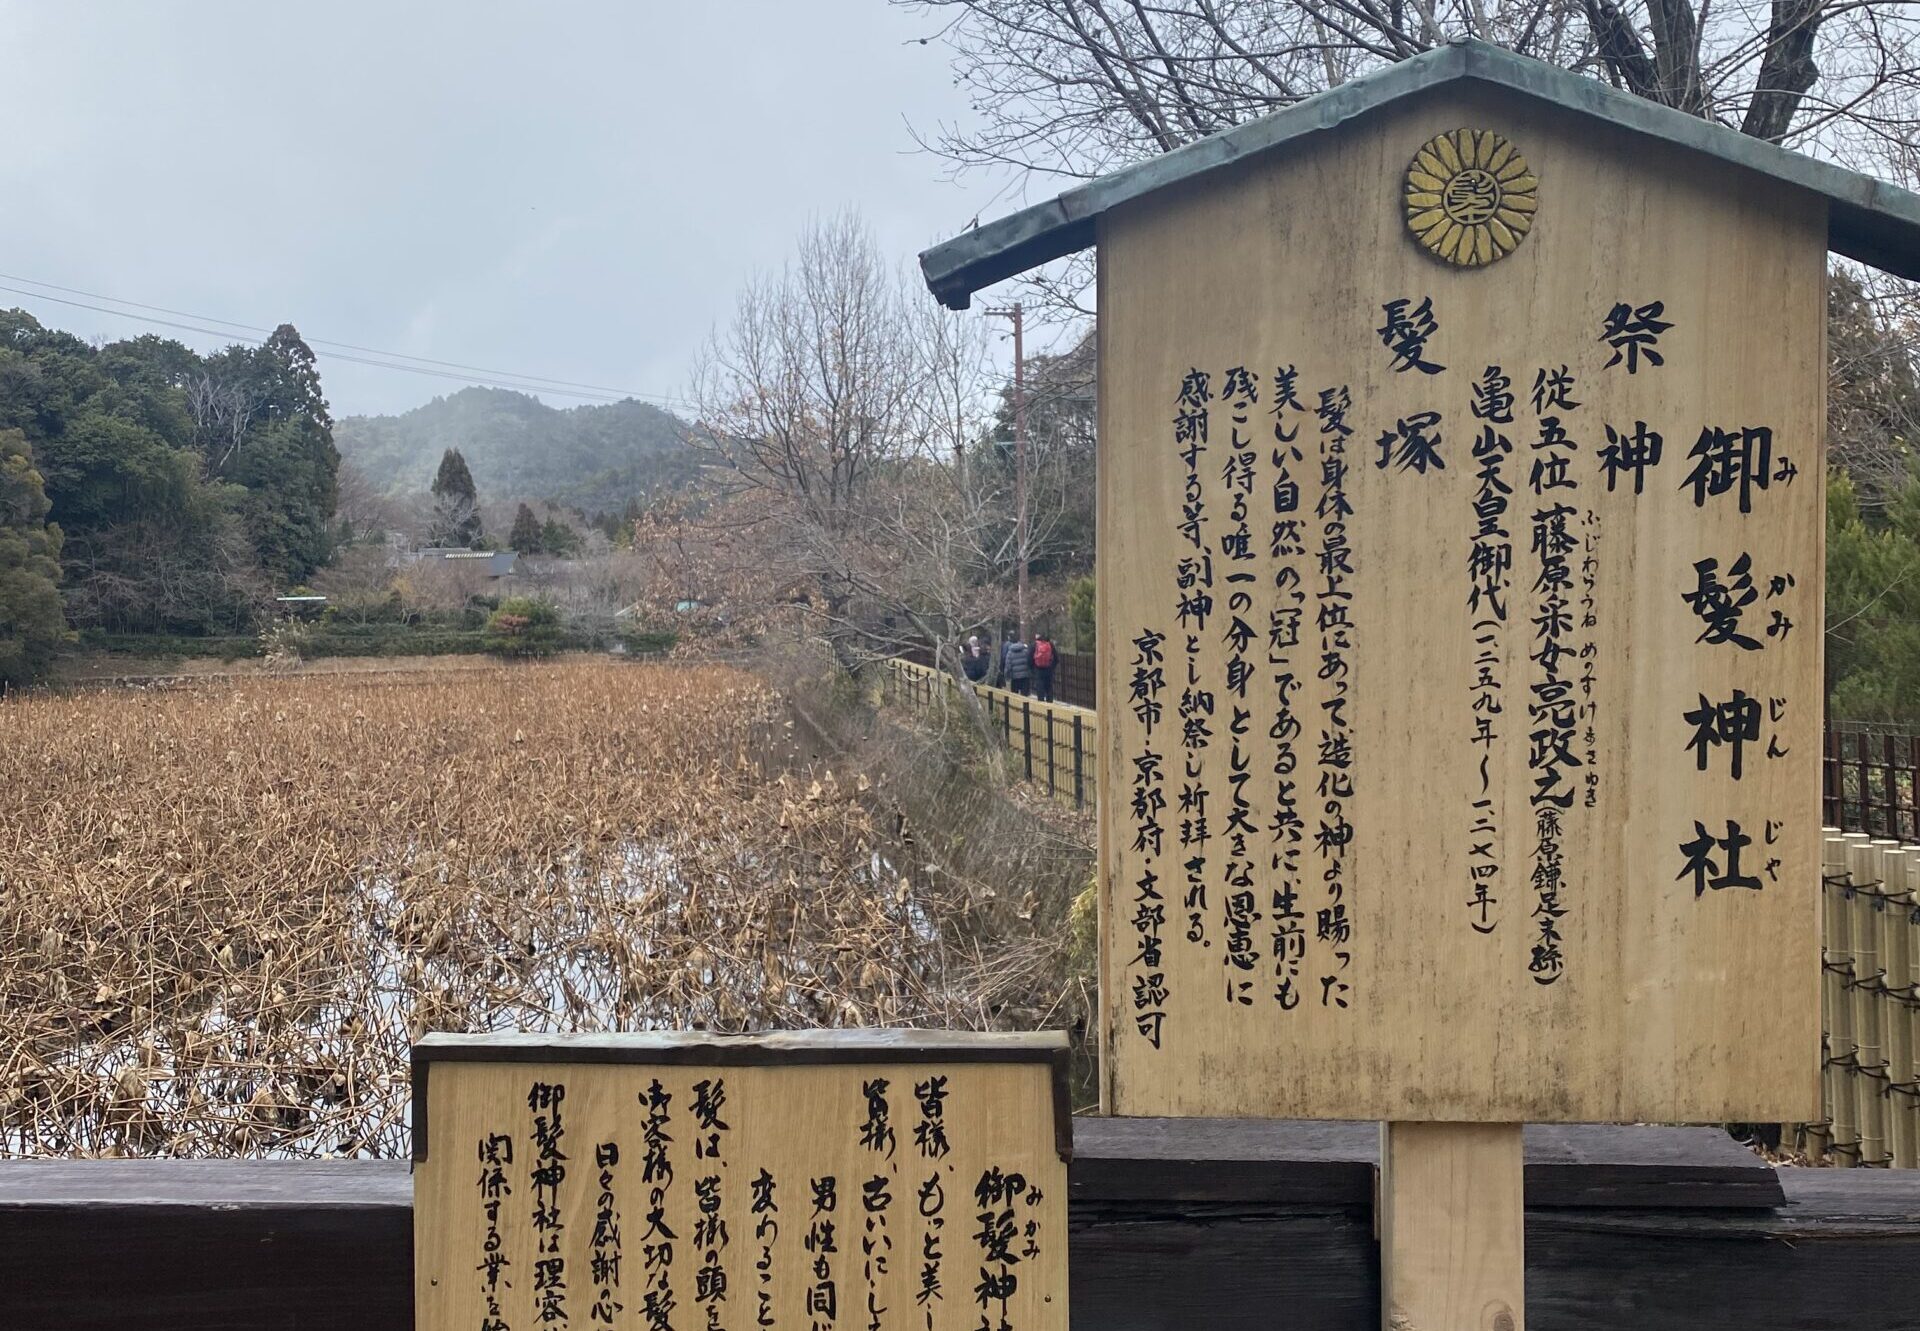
x: 456, y: 506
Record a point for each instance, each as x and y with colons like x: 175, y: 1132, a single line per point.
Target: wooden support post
x: 1079, y: 765
x: 1870, y: 1104
x: 1896, y: 961
x: 1843, y: 1049
x: 1909, y: 910
x: 1452, y: 1221
x: 1053, y: 775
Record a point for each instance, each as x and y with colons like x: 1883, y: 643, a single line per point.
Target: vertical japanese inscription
x: 1001, y: 1196
x: 823, y: 1294
x: 1489, y: 587
x: 1239, y: 906
x: 1333, y: 600
x: 1147, y: 801
x: 763, y: 1196
x: 496, y: 1154
x: 1552, y: 707
x: 1193, y: 611
x: 710, y: 1236
x: 765, y: 1210
x: 656, y: 1176
x: 930, y: 1141
x: 1506, y: 838
x: 544, y: 1102
x: 876, y: 1198
x: 1734, y: 468
x: 1287, y: 549
x: 604, y: 1247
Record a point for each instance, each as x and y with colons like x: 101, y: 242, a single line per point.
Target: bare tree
x: 1873, y: 387
x: 815, y: 389
x: 222, y: 411
x: 363, y: 510
x: 809, y: 387
x: 839, y: 412
x: 1077, y: 88
x: 1081, y: 86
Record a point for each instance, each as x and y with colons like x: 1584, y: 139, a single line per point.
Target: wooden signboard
x: 1460, y: 608
x: 825, y: 1181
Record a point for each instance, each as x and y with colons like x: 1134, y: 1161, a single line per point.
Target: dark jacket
x: 1019, y: 660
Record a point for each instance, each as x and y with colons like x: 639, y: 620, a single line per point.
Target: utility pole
x: 1012, y: 312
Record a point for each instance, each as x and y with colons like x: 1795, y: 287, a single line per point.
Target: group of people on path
x: 1025, y: 668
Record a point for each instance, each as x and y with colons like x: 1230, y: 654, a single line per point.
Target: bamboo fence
x: 1870, y: 929
x: 1869, y: 1004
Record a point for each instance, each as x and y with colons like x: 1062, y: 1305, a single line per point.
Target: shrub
x: 1080, y: 611
x: 523, y: 626
x: 648, y: 642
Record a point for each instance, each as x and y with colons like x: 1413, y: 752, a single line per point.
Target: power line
x: 390, y: 361
x: 321, y: 341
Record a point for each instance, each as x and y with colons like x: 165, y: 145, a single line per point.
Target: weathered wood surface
x: 1336, y: 957
x: 1452, y: 1221
x: 677, y: 1135
x: 1331, y: 1164
x: 1282, y: 1236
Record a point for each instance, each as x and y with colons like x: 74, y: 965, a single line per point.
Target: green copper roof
x: 1868, y: 219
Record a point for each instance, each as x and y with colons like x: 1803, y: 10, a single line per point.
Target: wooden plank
x: 1909, y: 980
x: 220, y: 1246
x: 1452, y: 1221
x: 205, y: 1245
x: 1869, y: 1074
x: 1896, y: 935
x: 1230, y: 1161
x: 1346, y: 973
x: 1332, y: 1163
x: 1841, y: 1141
x: 818, y: 1178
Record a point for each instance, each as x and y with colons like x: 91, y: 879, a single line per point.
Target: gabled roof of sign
x: 1868, y: 219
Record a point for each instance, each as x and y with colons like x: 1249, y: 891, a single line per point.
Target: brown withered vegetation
x: 226, y: 909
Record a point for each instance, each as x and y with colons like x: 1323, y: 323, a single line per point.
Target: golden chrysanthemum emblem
x: 1470, y: 197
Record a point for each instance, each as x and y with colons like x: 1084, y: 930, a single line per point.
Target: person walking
x: 1044, y: 658
x: 1019, y: 658
x: 973, y: 660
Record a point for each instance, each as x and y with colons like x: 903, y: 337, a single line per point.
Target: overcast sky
x: 568, y: 189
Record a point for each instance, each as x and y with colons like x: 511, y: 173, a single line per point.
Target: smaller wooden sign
x: 806, y: 1181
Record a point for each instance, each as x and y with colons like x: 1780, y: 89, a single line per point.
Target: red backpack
x: 1043, y: 653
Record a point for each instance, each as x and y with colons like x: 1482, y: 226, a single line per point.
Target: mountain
x: 518, y: 447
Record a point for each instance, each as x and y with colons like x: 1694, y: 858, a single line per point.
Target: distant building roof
x: 499, y: 562
x: 1868, y: 219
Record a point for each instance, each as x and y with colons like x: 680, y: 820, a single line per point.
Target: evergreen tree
x: 456, y: 505
x: 262, y: 422
x: 525, y: 536
x: 1873, y: 606
x: 31, y: 623
x: 557, y: 538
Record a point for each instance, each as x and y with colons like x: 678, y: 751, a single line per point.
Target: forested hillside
x: 590, y: 458
x: 187, y: 489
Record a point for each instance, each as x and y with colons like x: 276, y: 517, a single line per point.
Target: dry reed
x: 225, y: 910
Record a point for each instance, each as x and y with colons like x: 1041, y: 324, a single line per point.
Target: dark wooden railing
x: 1868, y: 777
x: 1174, y: 1224
x: 1052, y: 744
x: 1870, y: 773
x: 1073, y: 674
